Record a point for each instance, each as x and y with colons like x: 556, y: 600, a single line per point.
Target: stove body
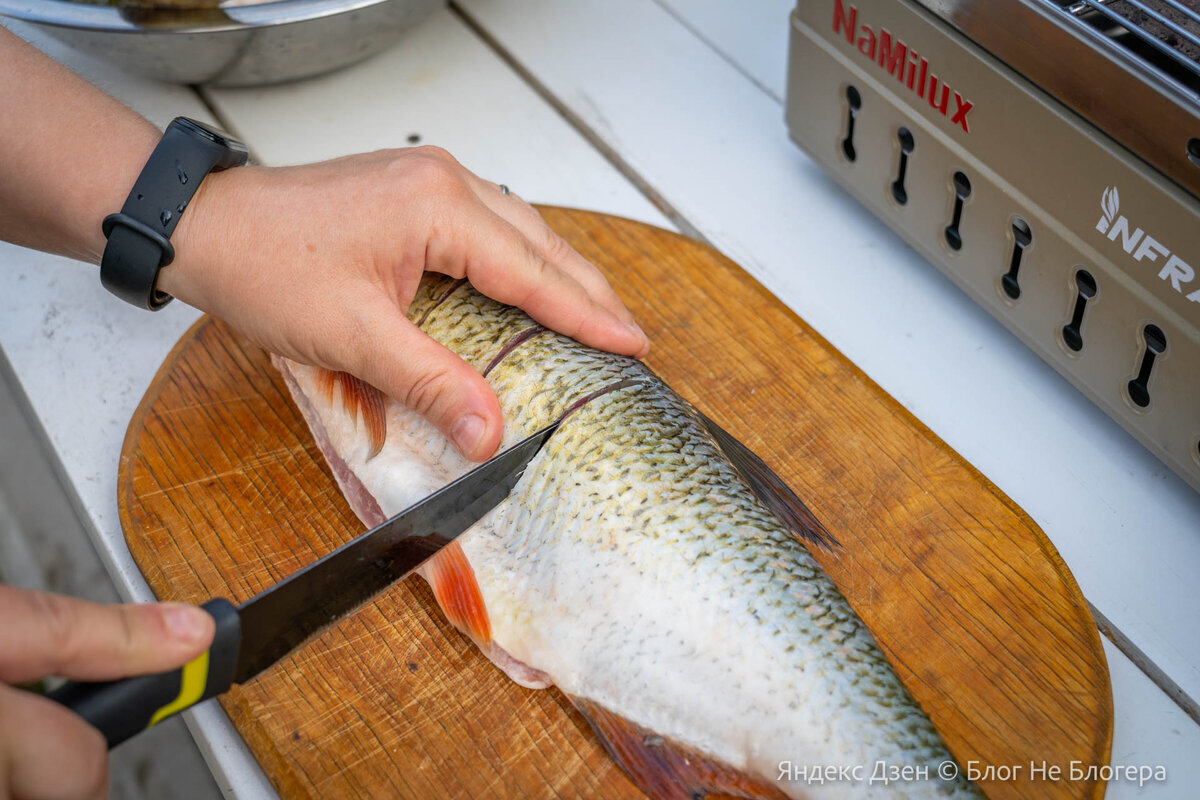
x: 1047, y: 159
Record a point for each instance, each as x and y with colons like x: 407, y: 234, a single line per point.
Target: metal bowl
x: 244, y: 45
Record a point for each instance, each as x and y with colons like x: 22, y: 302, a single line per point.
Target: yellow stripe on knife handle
x: 191, y: 689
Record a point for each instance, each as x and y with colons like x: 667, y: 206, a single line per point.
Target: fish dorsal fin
x: 453, y: 581
x: 770, y: 488
x: 667, y: 770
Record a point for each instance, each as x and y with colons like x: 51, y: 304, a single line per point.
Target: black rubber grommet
x: 165, y: 247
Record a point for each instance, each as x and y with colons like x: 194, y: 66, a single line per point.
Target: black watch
x: 139, y: 236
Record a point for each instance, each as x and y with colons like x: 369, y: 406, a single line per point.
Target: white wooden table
x: 668, y: 111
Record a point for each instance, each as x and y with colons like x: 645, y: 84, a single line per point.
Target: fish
x: 646, y: 564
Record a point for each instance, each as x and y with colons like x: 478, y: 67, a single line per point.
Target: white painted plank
x: 1149, y: 730
x: 716, y: 147
x: 752, y: 36
x: 446, y: 86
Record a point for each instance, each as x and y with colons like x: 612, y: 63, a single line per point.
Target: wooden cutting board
x: 223, y: 492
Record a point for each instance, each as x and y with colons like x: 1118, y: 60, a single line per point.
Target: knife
x: 253, y: 636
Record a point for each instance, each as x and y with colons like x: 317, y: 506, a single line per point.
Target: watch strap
x: 138, y: 237
x: 132, y: 258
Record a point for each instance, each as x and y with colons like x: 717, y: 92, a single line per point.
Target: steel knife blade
x: 253, y: 636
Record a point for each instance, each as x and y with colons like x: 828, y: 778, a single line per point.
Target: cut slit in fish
x: 648, y: 564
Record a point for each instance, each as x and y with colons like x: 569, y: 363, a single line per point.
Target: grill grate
x: 1165, y: 34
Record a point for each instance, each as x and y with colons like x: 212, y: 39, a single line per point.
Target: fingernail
x: 467, y: 433
x: 185, y: 622
x: 633, y: 326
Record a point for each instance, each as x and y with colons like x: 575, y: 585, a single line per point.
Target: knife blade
x: 251, y: 637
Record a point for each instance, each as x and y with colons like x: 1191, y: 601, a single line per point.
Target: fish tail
x: 457, y: 592
x: 667, y: 770
x: 360, y: 400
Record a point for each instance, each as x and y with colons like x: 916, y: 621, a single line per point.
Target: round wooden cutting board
x: 223, y: 492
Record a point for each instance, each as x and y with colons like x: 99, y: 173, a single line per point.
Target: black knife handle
x: 122, y: 708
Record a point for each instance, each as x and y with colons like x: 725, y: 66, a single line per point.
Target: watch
x: 139, y: 235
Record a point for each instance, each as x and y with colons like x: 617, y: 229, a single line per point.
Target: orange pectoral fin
x: 360, y: 400
x: 457, y: 592
x: 667, y: 770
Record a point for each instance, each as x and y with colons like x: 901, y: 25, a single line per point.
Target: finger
x: 559, y: 252
x: 405, y: 363
x: 47, y: 634
x: 504, y: 265
x: 526, y: 219
x: 47, y: 751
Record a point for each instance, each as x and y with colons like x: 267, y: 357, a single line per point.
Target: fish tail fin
x: 770, y: 488
x: 457, y: 592
x: 360, y: 400
x: 667, y: 770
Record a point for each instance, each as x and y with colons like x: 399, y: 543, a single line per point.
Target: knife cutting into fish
x: 251, y: 637
x: 646, y: 563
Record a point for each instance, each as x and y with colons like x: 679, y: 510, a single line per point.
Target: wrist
x: 102, y: 192
x: 138, y: 139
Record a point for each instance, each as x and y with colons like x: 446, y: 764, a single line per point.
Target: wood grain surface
x: 223, y: 492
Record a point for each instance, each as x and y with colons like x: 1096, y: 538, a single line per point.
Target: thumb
x: 407, y: 364
x: 47, y: 634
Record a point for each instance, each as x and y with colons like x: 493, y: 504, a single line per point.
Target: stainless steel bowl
x: 245, y: 45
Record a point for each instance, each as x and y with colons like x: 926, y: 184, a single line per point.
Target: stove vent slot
x: 853, y: 104
x: 962, y: 190
x: 905, y: 137
x: 1156, y: 345
x: 1022, y: 238
x: 1163, y: 33
x: 1072, y: 332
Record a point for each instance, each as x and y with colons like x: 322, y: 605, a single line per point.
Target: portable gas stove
x: 1046, y: 156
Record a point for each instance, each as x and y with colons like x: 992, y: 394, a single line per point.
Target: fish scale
x: 430, y: 292
x: 455, y: 323
x: 633, y: 567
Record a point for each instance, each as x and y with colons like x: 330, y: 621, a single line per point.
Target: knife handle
x: 122, y: 708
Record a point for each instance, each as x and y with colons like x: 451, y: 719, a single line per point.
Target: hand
x: 319, y: 262
x: 47, y: 751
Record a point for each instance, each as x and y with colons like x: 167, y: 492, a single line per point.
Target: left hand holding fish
x: 319, y: 262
